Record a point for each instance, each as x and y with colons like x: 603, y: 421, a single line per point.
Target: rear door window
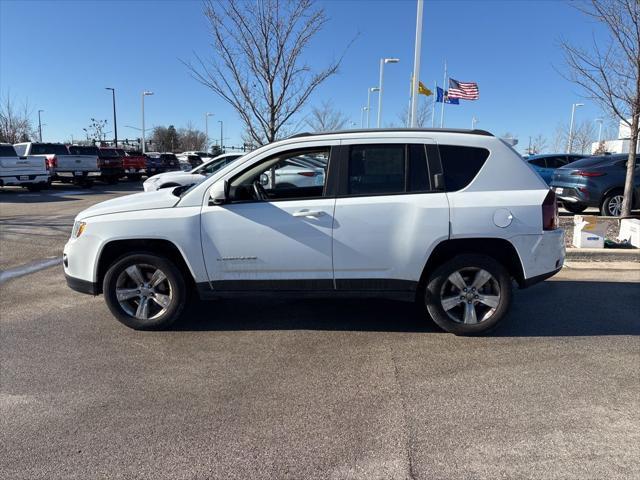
x: 460, y: 165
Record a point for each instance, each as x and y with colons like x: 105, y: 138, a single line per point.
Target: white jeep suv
x: 448, y: 218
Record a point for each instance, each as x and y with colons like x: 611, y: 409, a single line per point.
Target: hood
x: 130, y: 203
x: 168, y: 176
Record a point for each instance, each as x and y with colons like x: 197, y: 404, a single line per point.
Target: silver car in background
x: 191, y: 177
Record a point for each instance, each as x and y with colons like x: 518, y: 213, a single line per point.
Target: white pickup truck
x: 79, y: 169
x: 29, y: 172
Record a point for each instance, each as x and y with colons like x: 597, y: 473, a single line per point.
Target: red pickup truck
x: 134, y: 164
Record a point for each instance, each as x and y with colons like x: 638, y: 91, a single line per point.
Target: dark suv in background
x: 161, y: 162
x: 595, y: 182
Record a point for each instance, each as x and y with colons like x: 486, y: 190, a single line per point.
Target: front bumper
x: 82, y: 286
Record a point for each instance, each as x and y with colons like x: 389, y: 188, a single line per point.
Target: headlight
x: 78, y: 229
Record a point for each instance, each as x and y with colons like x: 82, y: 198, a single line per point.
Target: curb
x: 603, y: 255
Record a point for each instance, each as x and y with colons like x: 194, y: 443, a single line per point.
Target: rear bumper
x: 78, y: 174
x: 528, y: 282
x: 82, y: 286
x: 112, y: 172
x: 27, y: 179
x: 541, y: 256
x: 576, y: 194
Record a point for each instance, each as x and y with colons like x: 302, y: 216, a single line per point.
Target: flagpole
x: 410, y: 100
x: 416, y: 66
x: 444, y: 89
x: 435, y: 97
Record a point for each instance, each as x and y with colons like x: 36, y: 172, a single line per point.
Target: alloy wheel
x: 470, y: 295
x: 143, y: 291
x: 615, y: 205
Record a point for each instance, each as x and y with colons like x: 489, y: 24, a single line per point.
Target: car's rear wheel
x: 145, y: 291
x: 469, y: 294
x: 612, y: 205
x: 574, y: 207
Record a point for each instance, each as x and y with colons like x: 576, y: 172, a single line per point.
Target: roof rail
x: 408, y: 130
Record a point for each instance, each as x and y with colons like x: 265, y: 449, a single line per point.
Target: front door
x: 275, y: 231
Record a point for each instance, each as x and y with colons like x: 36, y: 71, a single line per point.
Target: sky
x: 60, y: 55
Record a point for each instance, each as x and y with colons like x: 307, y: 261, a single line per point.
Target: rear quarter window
x: 461, y: 164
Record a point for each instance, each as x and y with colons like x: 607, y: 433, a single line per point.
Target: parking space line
x: 23, y: 270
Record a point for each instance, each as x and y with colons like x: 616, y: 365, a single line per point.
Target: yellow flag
x: 424, y: 90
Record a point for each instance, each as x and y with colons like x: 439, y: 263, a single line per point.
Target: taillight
x: 52, y: 162
x: 307, y: 174
x: 582, y: 173
x: 550, y: 211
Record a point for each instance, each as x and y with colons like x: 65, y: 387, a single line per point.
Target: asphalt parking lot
x: 309, y: 388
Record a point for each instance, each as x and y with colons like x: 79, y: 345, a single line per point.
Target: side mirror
x: 218, y: 193
x: 438, y: 182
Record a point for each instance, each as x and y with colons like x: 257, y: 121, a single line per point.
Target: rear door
x: 389, y: 215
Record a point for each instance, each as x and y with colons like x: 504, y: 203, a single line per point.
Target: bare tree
x: 610, y: 74
x: 423, y: 114
x: 15, y: 125
x: 190, y: 138
x: 537, y: 144
x: 326, y: 118
x: 96, y: 130
x: 257, y: 64
x: 583, y: 137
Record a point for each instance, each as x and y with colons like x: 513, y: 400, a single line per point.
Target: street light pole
x: 474, y: 120
x: 573, y: 111
x: 382, y: 62
x: 206, y: 130
x: 362, y: 110
x: 599, y: 120
x: 413, y: 122
x: 144, y: 94
x: 368, y: 107
x: 115, y: 123
x: 40, y: 125
x: 221, y: 150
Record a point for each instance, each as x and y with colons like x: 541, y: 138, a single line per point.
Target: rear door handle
x: 308, y: 213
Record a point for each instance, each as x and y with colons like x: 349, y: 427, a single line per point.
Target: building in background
x: 620, y: 145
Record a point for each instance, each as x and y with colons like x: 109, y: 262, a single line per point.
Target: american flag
x: 463, y: 90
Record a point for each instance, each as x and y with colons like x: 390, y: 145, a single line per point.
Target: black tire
x: 35, y: 187
x: 607, y: 209
x: 176, y: 291
x: 135, y: 177
x: 85, y: 183
x: 574, y: 207
x: 111, y: 180
x: 437, y: 288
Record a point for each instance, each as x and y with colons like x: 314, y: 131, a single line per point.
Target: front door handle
x: 308, y: 213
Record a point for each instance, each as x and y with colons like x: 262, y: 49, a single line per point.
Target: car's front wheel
x: 469, y: 294
x: 145, y: 291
